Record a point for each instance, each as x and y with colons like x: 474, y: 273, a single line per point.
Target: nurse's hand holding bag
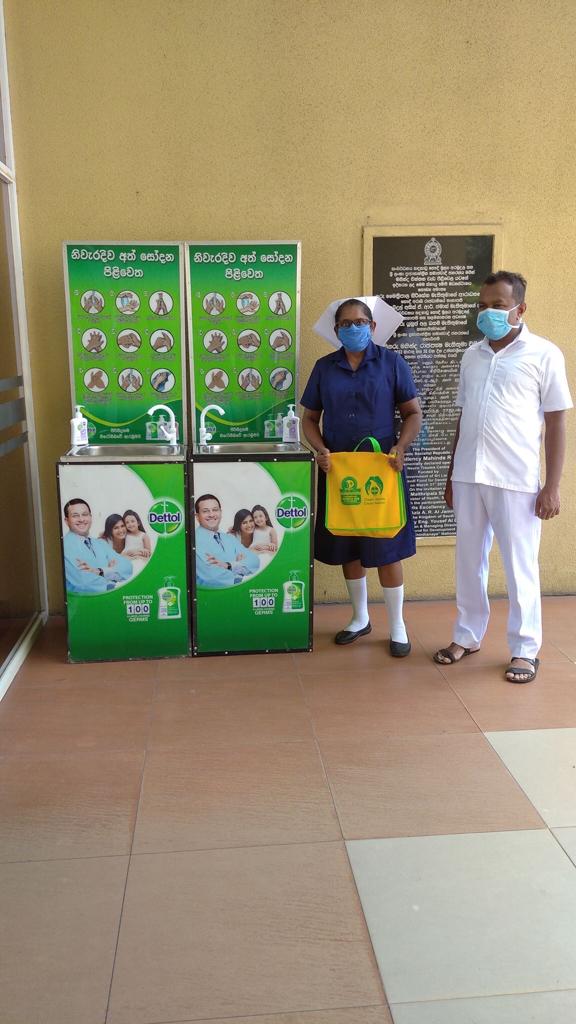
x: 352, y: 394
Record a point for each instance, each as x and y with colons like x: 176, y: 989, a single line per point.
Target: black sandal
x: 447, y: 653
x: 517, y: 670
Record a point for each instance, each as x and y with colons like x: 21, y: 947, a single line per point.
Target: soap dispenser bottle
x: 78, y: 428
x: 293, y: 598
x: 169, y: 600
x: 160, y: 425
x: 291, y: 427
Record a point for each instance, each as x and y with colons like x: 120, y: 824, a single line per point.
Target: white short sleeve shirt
x: 503, y: 396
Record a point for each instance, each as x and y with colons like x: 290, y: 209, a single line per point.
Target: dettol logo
x: 292, y: 512
x: 166, y: 517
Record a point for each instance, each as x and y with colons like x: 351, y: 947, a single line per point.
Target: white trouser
x: 482, y: 513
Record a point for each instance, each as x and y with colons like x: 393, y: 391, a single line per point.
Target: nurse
x: 352, y: 393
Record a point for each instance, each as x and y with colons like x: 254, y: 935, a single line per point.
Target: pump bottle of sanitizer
x: 169, y: 600
x: 293, y: 600
x: 291, y: 427
x: 78, y: 428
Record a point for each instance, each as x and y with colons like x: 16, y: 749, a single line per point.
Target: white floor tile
x: 532, y: 1008
x: 567, y: 839
x: 543, y: 762
x: 469, y: 915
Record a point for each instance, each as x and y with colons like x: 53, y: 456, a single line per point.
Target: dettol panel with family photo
x: 252, y: 554
x: 124, y: 558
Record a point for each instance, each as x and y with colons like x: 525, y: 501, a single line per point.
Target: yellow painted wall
x: 223, y: 119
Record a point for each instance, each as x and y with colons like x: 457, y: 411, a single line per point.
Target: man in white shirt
x: 512, y: 389
x: 221, y: 560
x: 91, y: 565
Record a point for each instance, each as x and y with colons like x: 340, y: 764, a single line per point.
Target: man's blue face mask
x: 494, y: 323
x: 355, y: 339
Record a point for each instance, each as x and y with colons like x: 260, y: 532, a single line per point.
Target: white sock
x: 358, y: 591
x: 394, y: 599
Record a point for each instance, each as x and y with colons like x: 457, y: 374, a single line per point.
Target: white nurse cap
x: 387, y: 319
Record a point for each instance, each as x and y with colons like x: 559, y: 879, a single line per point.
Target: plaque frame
x: 436, y: 230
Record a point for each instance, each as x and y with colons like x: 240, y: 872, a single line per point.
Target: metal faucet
x: 205, y: 434
x: 170, y: 433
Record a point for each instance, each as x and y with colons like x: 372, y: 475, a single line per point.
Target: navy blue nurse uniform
x: 354, y: 404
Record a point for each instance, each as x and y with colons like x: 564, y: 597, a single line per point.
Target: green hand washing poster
x: 125, y: 330
x: 124, y: 548
x: 243, y: 310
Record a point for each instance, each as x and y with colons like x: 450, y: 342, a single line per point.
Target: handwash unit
x: 167, y: 432
x: 206, y: 435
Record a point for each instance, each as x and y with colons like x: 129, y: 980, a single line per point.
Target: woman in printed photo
x: 243, y: 527
x: 115, y: 533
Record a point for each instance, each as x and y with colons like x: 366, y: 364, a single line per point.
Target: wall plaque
x: 433, y: 277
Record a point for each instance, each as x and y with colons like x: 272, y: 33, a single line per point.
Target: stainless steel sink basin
x: 236, y: 450
x: 126, y: 453
x: 154, y: 452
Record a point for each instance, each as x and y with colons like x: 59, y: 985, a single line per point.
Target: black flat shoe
x: 348, y: 636
x: 399, y: 650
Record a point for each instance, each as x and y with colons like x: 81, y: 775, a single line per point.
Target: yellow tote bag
x: 364, y: 494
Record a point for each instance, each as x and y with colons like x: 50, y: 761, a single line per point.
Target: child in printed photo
x: 137, y: 543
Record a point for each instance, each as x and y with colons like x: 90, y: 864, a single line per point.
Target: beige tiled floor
x: 567, y: 839
x: 479, y: 915
x: 544, y: 763
x: 325, y: 838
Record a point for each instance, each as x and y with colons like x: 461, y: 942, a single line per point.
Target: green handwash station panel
x: 125, y: 558
x: 252, y: 550
x: 125, y: 315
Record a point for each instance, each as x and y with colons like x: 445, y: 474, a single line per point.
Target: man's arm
x: 411, y: 414
x: 252, y: 560
x: 548, y: 499
x: 122, y: 567
x: 214, y: 573
x: 448, y: 496
x: 81, y: 581
x: 244, y: 561
x: 116, y: 568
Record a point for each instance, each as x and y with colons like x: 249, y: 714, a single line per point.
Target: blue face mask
x: 355, y: 339
x: 494, y: 323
